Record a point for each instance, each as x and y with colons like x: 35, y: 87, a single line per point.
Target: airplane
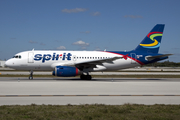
x: 73, y: 63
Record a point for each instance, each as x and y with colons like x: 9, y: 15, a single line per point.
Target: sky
x: 114, y: 25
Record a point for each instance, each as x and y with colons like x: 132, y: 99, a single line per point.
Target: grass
x: 90, y: 112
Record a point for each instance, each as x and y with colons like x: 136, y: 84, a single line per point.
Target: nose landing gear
x: 31, y: 75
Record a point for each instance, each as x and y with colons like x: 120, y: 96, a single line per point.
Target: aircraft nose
x: 8, y: 63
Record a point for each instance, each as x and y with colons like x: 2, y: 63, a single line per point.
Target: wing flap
x: 94, y: 63
x: 99, y: 61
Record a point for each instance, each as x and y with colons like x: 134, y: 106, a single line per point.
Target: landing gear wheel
x: 31, y: 75
x: 88, y: 77
x: 30, y: 78
x: 85, y: 77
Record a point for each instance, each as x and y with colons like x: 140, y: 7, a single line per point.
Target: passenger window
x: 20, y: 57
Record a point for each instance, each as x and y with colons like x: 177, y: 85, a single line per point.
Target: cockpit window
x: 17, y: 56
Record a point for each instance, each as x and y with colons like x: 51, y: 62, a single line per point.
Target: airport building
x: 2, y: 63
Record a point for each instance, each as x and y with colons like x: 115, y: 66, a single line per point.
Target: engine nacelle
x: 65, y: 71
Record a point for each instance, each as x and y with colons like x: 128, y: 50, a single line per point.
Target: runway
x: 92, y: 73
x: 63, y: 91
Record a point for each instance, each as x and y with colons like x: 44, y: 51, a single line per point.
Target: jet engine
x: 66, y: 71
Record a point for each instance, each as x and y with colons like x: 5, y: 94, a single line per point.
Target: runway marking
x: 77, y: 95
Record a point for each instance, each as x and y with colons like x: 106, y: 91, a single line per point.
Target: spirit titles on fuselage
x: 47, y: 57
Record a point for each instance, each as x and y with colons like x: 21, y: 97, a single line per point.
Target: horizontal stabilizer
x: 149, y: 58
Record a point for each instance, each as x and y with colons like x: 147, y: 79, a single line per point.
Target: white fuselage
x: 48, y: 60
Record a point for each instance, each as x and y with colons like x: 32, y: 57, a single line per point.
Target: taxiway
x: 63, y: 91
x: 92, y: 73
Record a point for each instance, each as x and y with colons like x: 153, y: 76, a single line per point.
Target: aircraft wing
x: 87, y: 64
x: 93, y: 63
x: 100, y: 61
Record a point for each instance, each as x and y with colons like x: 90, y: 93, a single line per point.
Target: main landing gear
x: 31, y: 75
x: 85, y: 77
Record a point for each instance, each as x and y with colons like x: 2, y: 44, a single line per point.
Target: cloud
x: 61, y: 48
x: 83, y: 48
x: 97, y: 49
x: 86, y: 32
x: 76, y: 10
x: 133, y: 16
x: 82, y: 44
x: 95, y: 13
x: 57, y: 41
x: 32, y: 42
x: 42, y: 44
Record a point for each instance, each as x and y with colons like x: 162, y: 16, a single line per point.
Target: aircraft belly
x: 33, y: 66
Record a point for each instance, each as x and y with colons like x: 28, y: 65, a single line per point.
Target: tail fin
x: 152, y: 41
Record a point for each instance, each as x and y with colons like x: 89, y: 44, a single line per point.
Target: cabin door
x: 133, y: 58
x: 30, y: 57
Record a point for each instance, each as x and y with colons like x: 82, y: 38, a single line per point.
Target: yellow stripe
x: 150, y: 45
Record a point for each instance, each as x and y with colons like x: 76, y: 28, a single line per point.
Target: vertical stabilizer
x: 151, y: 43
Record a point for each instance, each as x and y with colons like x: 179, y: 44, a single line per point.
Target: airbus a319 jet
x: 73, y: 63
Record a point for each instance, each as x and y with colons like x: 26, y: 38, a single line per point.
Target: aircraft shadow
x: 93, y: 79
x: 112, y: 80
